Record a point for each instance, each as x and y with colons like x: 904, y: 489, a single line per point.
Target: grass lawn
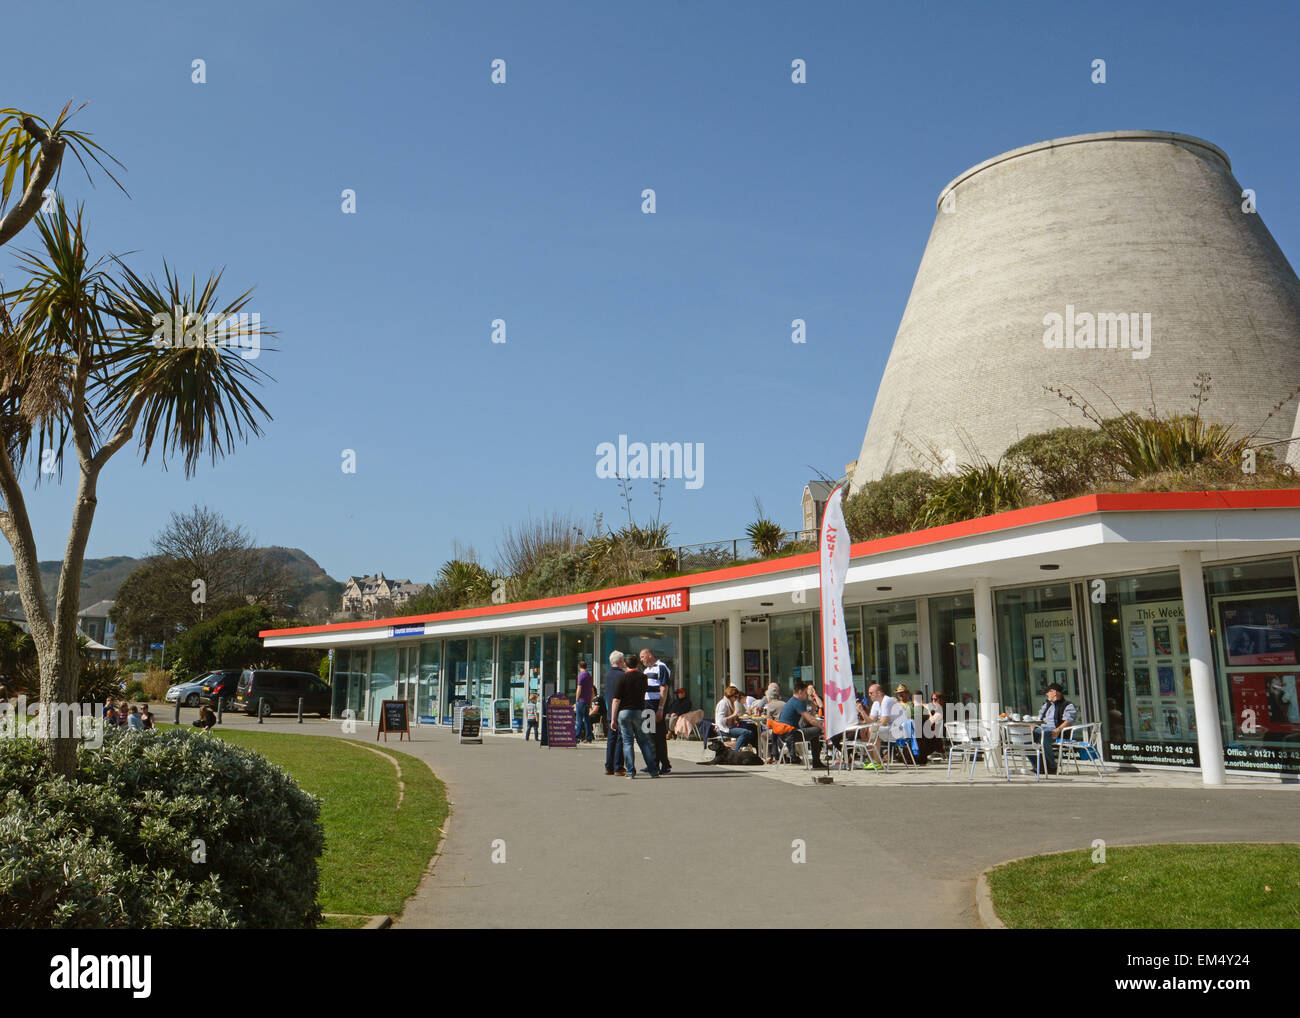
x: 375, y: 852
x: 1166, y: 887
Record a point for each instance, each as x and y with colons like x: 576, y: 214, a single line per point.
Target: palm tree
x: 81, y: 374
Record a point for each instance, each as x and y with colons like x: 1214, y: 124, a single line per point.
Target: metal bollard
x: 261, y: 704
x: 177, y: 718
x: 300, y: 710
x: 221, y: 706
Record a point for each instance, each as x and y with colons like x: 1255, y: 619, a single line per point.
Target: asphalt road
x: 705, y: 846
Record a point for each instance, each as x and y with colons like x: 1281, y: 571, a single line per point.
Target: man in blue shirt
x: 797, y: 714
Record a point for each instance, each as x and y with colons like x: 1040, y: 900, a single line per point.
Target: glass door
x: 426, y: 698
x: 514, y: 676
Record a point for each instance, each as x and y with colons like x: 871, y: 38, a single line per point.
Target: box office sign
x: 635, y: 606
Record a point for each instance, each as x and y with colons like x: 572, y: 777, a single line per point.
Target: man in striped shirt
x: 658, y: 680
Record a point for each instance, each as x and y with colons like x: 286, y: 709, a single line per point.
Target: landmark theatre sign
x: 662, y: 602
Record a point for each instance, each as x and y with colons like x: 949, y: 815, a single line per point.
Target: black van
x: 280, y: 691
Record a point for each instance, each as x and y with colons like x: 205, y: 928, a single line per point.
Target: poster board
x: 502, y: 716
x: 1160, y: 712
x: 904, y: 659
x: 394, y: 719
x: 467, y: 722
x: 561, y: 731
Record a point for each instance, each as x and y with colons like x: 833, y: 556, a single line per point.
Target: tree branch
x: 46, y: 167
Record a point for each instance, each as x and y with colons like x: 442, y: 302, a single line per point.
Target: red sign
x: 639, y: 605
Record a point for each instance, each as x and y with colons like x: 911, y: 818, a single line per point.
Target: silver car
x: 187, y: 692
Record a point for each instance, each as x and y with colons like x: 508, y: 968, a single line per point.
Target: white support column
x: 735, y: 654
x: 925, y: 656
x: 1197, y: 620
x: 986, y: 648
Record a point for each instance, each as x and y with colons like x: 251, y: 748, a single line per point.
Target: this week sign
x: 638, y: 606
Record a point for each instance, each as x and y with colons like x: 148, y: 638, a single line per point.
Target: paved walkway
x: 710, y: 846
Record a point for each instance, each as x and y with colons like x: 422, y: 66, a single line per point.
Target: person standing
x: 586, y: 695
x: 635, y: 719
x: 530, y: 716
x: 658, y: 680
x: 613, y: 738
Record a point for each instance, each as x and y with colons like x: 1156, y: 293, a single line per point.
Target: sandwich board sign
x: 560, y: 722
x: 468, y: 722
x: 393, y: 718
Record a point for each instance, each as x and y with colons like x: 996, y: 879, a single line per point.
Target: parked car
x: 187, y: 693
x: 278, y: 692
x: 221, y: 684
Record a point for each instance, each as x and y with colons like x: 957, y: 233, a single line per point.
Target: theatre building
x: 1170, y: 618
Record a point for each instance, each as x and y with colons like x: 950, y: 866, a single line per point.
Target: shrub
x: 135, y: 690
x: 1064, y: 462
x: 975, y: 490
x: 118, y: 846
x: 888, y: 506
x: 155, y: 684
x: 1152, y: 445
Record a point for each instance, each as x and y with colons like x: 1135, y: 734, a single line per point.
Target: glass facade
x: 576, y: 645
x: 630, y: 639
x: 383, y: 679
x: 1255, y: 621
x: 1037, y: 645
x: 891, y: 648
x: 697, y: 674
x: 796, y: 649
x: 349, y: 682
x: 953, y: 650
x: 1146, y: 680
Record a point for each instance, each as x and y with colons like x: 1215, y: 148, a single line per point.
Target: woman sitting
x: 726, y: 719
x: 681, y: 717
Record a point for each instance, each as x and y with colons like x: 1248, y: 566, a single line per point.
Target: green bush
x: 888, y: 506
x: 160, y: 829
x: 135, y: 691
x: 1064, y: 462
x: 975, y: 490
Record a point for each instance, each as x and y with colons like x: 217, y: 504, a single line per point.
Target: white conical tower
x: 1124, y: 223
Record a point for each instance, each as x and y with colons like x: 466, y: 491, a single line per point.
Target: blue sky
x: 522, y: 201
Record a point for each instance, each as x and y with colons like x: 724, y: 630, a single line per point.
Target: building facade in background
x: 363, y: 593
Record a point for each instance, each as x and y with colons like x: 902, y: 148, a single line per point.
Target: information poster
x: 904, y: 659
x: 1259, y: 635
x: 1159, y: 723
x: 560, y: 722
x: 1052, y: 652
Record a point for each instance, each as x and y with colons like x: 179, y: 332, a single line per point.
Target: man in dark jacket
x: 613, y: 740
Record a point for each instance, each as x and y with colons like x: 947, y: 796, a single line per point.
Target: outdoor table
x: 1007, y: 728
x: 853, y: 732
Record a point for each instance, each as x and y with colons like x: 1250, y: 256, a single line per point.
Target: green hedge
x: 160, y: 829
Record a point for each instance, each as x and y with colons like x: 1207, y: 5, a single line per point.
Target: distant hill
x: 100, y: 578
x: 312, y: 588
